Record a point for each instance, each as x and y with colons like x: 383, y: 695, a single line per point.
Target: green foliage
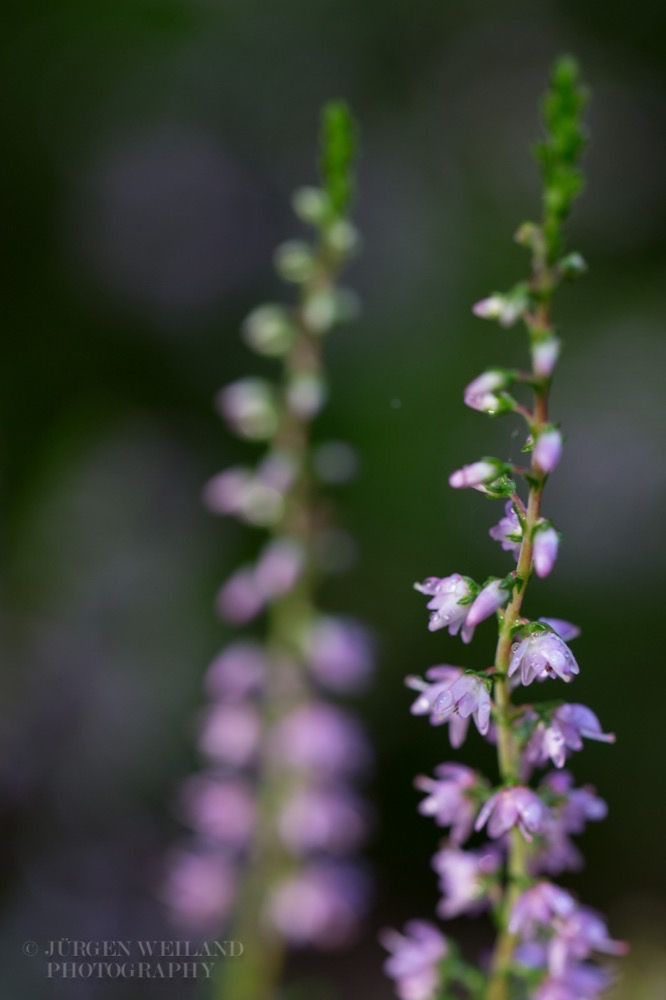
x: 559, y: 153
x: 338, y: 143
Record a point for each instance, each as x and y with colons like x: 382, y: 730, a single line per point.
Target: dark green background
x: 150, y: 149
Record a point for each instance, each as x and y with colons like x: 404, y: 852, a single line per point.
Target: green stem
x: 255, y: 975
x: 508, y: 750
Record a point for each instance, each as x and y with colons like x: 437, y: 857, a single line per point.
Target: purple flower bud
x: 464, y: 876
x: 541, y: 655
x: 537, y: 907
x: 506, y: 527
x: 546, y: 542
x: 222, y: 809
x: 506, y: 309
x: 249, y: 407
x: 489, y: 308
x: 577, y: 721
x: 449, y: 801
x: 329, y: 819
x: 322, y: 739
x: 548, y: 449
x: 474, y: 475
x: 578, y: 806
x: 467, y: 696
x: 279, y: 567
x: 415, y: 958
x: 240, y: 599
x: 480, y: 394
x: 578, y: 980
x: 319, y: 905
x: 200, y: 889
x: 441, y: 678
x: 306, y: 394
x: 447, y: 611
x: 565, y: 730
x: 577, y: 935
x: 517, y: 806
x: 493, y: 596
x: 230, y: 734
x: 339, y: 652
x: 544, y: 356
x: 237, y: 672
x: 225, y: 492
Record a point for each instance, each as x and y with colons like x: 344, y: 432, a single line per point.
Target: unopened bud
x: 473, y: 475
x: 306, y: 395
x: 548, y: 449
x: 268, y: 330
x: 294, y: 261
x: 545, y: 353
x: 311, y: 205
x: 249, y: 407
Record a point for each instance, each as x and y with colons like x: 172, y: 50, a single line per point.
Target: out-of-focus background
x: 150, y: 149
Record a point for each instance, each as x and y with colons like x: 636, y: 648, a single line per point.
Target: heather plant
x: 276, y: 810
x: 547, y: 943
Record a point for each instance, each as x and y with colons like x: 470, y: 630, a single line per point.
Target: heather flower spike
x: 276, y: 814
x: 548, y: 946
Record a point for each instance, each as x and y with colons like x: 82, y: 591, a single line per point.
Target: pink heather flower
x: 450, y: 798
x: 517, y: 806
x: 230, y: 734
x: 506, y: 527
x: 199, y: 888
x: 556, y: 853
x: 414, y: 959
x: 548, y: 449
x: 339, y: 652
x: 441, y: 678
x: 578, y: 805
x: 225, y: 492
x: 256, y: 497
x: 480, y: 394
x: 223, y: 809
x: 330, y: 819
x: 490, y: 307
x: 565, y: 630
x: 319, y: 905
x: 467, y: 696
x: 446, y: 593
x: 464, y: 878
x: 546, y: 542
x: 321, y: 738
x: 541, y: 655
x: 578, y: 980
x: 239, y: 600
x: 237, y: 672
x: 565, y: 730
x: 506, y: 309
x: 248, y: 405
x: 578, y: 935
x: 493, y: 596
x: 278, y: 568
x: 545, y: 354
x: 537, y: 907
x: 474, y: 475
x: 438, y: 680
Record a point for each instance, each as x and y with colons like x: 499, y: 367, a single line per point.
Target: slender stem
x: 508, y: 750
x: 255, y: 976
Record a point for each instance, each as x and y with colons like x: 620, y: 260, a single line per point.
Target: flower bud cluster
x: 276, y: 805
x: 547, y: 943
